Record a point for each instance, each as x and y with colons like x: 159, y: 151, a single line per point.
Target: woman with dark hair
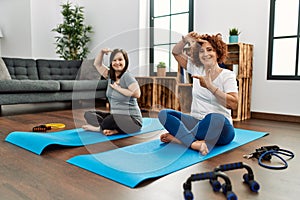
x: 122, y: 93
x: 214, y: 94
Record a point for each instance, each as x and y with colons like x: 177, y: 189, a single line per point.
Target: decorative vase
x: 233, y: 39
x: 161, y: 71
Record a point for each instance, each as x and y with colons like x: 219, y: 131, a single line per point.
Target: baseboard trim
x: 275, y: 117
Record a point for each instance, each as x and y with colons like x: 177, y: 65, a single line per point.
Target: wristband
x: 215, y: 91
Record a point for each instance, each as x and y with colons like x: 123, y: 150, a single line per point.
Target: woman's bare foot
x: 200, y: 146
x: 109, y: 132
x: 167, y: 137
x: 89, y: 127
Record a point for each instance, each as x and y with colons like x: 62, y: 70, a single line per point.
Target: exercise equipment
x: 46, y: 127
x: 41, y: 128
x: 56, y: 125
x: 226, y: 186
x: 265, y: 153
x: 248, y: 177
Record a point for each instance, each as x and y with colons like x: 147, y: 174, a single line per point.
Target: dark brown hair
x: 216, y: 42
x: 112, y: 73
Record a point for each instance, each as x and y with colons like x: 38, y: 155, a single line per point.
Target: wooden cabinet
x: 146, y: 100
x: 164, y: 92
x: 170, y: 92
x: 184, y: 93
x: 158, y: 93
x: 240, y: 60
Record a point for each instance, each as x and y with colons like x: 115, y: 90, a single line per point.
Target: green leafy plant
x: 71, y: 43
x: 234, y: 31
x: 161, y: 65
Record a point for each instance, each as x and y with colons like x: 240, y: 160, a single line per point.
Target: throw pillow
x: 88, y: 70
x: 4, y: 74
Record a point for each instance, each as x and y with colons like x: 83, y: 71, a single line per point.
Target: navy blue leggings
x: 215, y: 128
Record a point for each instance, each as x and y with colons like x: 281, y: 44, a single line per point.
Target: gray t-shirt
x: 121, y: 104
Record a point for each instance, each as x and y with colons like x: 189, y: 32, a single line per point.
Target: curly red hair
x: 216, y: 42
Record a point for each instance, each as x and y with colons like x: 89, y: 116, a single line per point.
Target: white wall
x: 27, y: 25
x: 15, y: 24
x: 45, y: 15
x: 116, y: 25
x: 252, y: 18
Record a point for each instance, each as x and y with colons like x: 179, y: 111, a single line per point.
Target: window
x: 284, y: 35
x: 169, y: 20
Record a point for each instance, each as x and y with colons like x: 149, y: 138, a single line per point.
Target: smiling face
x: 118, y: 62
x: 207, y: 55
x: 214, y: 46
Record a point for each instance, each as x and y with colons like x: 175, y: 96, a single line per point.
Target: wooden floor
x: 24, y: 175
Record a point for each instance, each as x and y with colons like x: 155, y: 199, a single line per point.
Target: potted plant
x: 161, y: 69
x: 71, y: 43
x: 234, y: 35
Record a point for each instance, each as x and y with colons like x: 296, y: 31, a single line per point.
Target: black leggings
x: 121, y: 123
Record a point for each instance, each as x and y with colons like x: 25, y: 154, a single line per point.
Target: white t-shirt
x: 204, y: 102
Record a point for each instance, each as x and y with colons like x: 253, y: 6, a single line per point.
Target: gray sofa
x: 42, y: 80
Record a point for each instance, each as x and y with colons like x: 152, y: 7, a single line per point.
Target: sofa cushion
x: 24, y: 86
x: 21, y: 68
x: 58, y: 69
x: 4, y: 74
x: 69, y: 85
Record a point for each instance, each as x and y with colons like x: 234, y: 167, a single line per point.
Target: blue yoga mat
x: 133, y: 164
x: 37, y: 142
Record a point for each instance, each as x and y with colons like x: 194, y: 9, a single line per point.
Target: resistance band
x: 265, y: 153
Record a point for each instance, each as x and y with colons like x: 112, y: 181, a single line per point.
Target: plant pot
x: 161, y: 71
x: 233, y: 39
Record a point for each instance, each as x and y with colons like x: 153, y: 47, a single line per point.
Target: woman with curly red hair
x: 214, y: 94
